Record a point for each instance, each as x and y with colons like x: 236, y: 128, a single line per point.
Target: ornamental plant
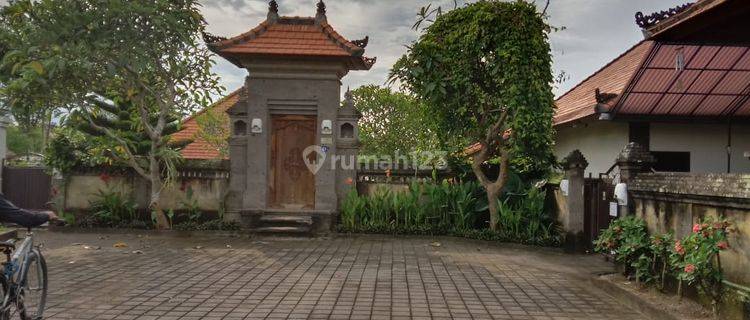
x: 661, y: 249
x: 697, y: 260
x: 627, y: 239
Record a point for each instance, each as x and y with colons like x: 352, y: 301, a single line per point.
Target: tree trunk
x: 493, y: 188
x: 493, y: 196
x: 156, y: 186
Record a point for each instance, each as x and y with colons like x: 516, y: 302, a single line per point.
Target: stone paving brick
x: 366, y: 277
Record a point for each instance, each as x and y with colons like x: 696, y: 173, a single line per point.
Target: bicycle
x: 23, y: 281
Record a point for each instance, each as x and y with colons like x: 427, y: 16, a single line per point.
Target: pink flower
x: 689, y: 268
x: 678, y: 248
x: 696, y: 228
x: 507, y: 133
x: 723, y: 245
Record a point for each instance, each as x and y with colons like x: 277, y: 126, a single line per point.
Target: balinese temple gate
x: 292, y: 146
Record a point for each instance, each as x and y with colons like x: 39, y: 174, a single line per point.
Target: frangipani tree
x: 145, y: 53
x: 485, y: 71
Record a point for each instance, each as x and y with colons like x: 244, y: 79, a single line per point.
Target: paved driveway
x: 362, y: 277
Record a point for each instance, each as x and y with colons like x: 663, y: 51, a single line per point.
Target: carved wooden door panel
x: 292, y: 184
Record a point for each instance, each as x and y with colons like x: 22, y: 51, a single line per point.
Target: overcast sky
x: 596, y: 30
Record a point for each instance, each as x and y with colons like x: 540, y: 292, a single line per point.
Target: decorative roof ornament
x: 348, y: 110
x: 362, y: 43
x: 210, y: 38
x: 603, y: 97
x: 273, y: 11
x: 647, y: 21
x: 320, y: 16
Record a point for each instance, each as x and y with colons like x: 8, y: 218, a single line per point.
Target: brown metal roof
x: 714, y: 81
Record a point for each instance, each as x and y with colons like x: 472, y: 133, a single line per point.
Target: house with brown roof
x: 683, y: 93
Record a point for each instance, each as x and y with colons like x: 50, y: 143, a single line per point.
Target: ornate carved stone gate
x: 289, y: 135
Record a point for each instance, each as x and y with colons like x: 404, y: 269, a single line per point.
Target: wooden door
x: 597, y: 194
x: 292, y: 184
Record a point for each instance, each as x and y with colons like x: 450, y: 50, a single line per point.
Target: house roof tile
x: 580, y: 101
x: 199, y: 149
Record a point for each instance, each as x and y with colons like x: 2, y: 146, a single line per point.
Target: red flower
x: 689, y: 268
x: 696, y: 228
x: 105, y: 177
x: 349, y: 181
x: 678, y: 248
x: 723, y: 245
x: 507, y: 133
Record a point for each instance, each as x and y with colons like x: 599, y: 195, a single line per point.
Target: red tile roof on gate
x: 294, y: 37
x: 580, y: 101
x: 199, y: 149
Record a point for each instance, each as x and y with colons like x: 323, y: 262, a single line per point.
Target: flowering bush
x: 696, y: 258
x: 627, y: 239
x: 693, y: 259
x: 661, y: 248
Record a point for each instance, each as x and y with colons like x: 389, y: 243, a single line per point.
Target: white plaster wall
x: 599, y: 141
x: 707, y: 144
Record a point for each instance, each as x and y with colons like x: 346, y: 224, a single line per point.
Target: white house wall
x: 599, y: 141
x: 707, y: 144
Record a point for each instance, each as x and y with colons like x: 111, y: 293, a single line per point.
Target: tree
x: 485, y: 70
x: 23, y: 142
x: 76, y: 53
x: 392, y: 122
x: 213, y: 128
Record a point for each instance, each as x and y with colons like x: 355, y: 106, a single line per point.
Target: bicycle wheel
x: 33, y: 292
x: 4, y: 312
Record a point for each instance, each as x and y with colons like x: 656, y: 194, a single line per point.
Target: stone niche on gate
x: 291, y: 140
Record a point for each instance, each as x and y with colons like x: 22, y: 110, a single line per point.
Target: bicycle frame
x: 13, y: 270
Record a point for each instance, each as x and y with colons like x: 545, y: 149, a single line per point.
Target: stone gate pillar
x: 575, y: 165
x: 632, y: 160
x: 347, y: 144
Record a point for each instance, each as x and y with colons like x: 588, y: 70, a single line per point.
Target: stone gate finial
x: 636, y: 154
x: 575, y: 160
x: 273, y: 10
x: 320, y: 16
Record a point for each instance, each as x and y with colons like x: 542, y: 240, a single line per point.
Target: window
x: 240, y: 128
x: 669, y: 161
x: 640, y: 132
x: 347, y: 130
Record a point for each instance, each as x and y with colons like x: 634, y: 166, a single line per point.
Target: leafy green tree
x: 392, y: 122
x: 213, y: 128
x: 72, y: 53
x: 485, y: 70
x: 23, y: 142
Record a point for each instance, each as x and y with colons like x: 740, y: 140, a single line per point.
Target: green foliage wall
x: 392, y: 122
